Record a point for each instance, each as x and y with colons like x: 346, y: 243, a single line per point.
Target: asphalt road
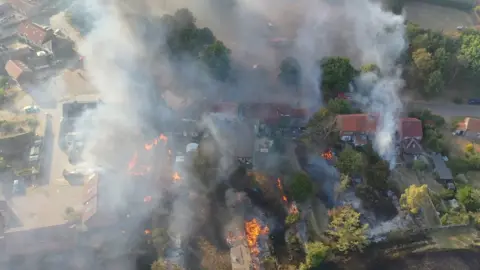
x: 448, y: 109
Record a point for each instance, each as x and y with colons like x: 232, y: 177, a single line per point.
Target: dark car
x: 474, y: 101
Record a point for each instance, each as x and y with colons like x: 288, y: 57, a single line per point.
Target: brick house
x: 358, y: 129
x: 45, y: 39
x: 470, y: 128
x: 19, y: 71
x: 410, y: 134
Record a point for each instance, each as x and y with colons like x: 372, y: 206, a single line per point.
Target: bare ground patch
x: 437, y: 17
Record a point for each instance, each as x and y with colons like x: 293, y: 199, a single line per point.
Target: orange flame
x: 163, y: 138
x: 293, y: 209
x: 149, y: 146
x: 176, y: 177
x: 147, y: 232
x: 328, y: 155
x: 253, y: 230
x: 284, y: 198
x: 279, y: 184
x: 147, y: 199
x: 133, y: 162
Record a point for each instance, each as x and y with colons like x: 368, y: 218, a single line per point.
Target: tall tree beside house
x: 339, y: 106
x: 290, y: 72
x: 301, y: 187
x: 435, y: 84
x: 345, y: 230
x: 413, y: 198
x: 469, y: 51
x: 337, y: 73
x: 423, y: 63
x: 350, y: 162
x: 217, y: 58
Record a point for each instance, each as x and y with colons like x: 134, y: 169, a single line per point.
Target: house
x: 19, y: 71
x: 35, y: 34
x: 356, y: 128
x: 444, y: 173
x: 97, y: 212
x: 410, y: 134
x: 469, y: 127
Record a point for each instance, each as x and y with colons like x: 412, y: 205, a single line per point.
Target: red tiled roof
x: 356, y: 123
x: 15, y: 68
x: 410, y: 127
x: 472, y: 124
x: 34, y: 33
x: 225, y: 107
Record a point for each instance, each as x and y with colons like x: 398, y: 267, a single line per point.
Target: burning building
x: 247, y: 233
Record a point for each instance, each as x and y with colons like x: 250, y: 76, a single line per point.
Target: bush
x: 469, y: 197
x: 292, y: 218
x: 301, y: 187
x: 447, y: 194
x: 457, y: 100
x: 455, y: 218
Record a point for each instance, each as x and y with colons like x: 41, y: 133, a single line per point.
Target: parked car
x: 70, y: 174
x: 31, y: 109
x: 474, y: 101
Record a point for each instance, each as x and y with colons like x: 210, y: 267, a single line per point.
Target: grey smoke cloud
x: 120, y: 64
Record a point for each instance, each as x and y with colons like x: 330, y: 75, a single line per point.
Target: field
x: 437, y: 17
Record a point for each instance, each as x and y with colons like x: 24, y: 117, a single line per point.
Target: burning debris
x: 234, y: 237
x: 280, y: 188
x: 147, y: 232
x: 147, y: 199
x: 149, y: 146
x: 254, y: 230
x: 176, y: 177
x: 327, y: 154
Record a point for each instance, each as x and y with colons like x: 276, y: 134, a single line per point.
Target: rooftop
x: 356, y: 123
x: 33, y: 32
x: 15, y: 68
x: 411, y: 127
x: 472, y: 124
x: 42, y: 207
x: 441, y: 167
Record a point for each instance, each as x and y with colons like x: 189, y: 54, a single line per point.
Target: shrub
x: 292, y: 218
x: 457, y: 100
x: 447, y: 194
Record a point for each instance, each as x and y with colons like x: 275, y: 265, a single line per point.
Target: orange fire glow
x: 176, y: 177
x: 284, y: 198
x: 133, y: 162
x: 293, y: 209
x: 149, y: 146
x: 253, y: 230
x: 232, y: 238
x: 279, y: 184
x: 147, y: 199
x: 328, y: 155
x: 147, y: 232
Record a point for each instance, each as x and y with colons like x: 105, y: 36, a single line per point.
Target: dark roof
x: 410, y: 127
x: 242, y: 139
x: 33, y: 32
x: 15, y: 144
x: 76, y: 108
x: 356, y: 123
x: 412, y: 147
x: 441, y: 168
x: 46, y: 239
x: 16, y: 68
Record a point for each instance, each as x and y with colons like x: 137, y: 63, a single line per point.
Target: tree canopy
x: 301, y: 187
x: 413, y: 198
x: 339, y: 106
x: 345, y: 229
x: 337, y: 73
x: 350, y: 162
x: 290, y: 72
x: 469, y: 197
x: 470, y: 50
x: 216, y: 57
x: 316, y: 254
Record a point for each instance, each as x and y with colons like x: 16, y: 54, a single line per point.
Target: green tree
x: 377, y: 175
x: 337, y: 73
x: 301, y: 187
x: 160, y: 240
x: 470, y: 51
x: 290, y: 72
x: 435, y: 83
x: 441, y: 58
x: 316, y: 254
x: 423, y: 62
x: 320, y: 125
x: 184, y: 18
x: 217, y: 58
x: 160, y: 264
x: 419, y: 165
x: 396, y: 6
x: 469, y: 197
x: 345, y: 229
x: 369, y: 68
x: 345, y: 181
x: 292, y: 218
x: 455, y: 218
x: 350, y: 162
x: 339, y: 106
x: 413, y: 198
